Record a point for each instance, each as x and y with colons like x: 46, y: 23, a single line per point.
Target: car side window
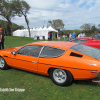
x: 30, y: 50
x: 51, y: 52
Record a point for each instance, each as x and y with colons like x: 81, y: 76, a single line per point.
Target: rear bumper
x: 96, y: 80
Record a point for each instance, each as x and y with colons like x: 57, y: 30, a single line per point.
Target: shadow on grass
x: 77, y: 82
x: 86, y: 82
x: 9, y: 68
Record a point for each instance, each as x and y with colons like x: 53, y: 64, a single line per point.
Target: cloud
x: 43, y: 4
x: 73, y: 13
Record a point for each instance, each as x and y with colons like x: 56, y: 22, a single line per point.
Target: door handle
x: 34, y: 62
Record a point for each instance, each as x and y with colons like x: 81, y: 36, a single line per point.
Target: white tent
x: 36, y: 33
x: 18, y: 33
x: 52, y: 29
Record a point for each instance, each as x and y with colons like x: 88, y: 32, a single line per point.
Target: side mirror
x: 13, y: 53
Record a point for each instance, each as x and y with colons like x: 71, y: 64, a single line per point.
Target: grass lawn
x: 39, y: 87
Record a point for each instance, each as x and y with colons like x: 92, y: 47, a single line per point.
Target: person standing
x: 64, y: 37
x: 48, y: 36
x: 68, y: 37
x: 1, y: 39
x: 58, y: 36
x: 96, y: 36
x: 73, y: 35
x: 82, y: 34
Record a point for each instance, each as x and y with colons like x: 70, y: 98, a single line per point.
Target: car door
x: 26, y: 57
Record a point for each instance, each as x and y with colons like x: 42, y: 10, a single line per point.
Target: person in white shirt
x: 82, y: 34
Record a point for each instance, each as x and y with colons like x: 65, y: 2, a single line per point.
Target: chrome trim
x: 34, y: 62
x: 52, y: 56
x: 97, y: 81
x: 92, y: 64
x: 40, y: 51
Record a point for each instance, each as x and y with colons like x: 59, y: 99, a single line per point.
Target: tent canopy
x: 35, y: 32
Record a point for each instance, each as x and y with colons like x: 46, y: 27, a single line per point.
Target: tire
x: 3, y: 64
x: 61, y: 77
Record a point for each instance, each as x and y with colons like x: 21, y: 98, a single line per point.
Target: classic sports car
x: 62, y: 61
x: 87, y: 41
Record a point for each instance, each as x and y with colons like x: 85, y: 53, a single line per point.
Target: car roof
x: 59, y: 44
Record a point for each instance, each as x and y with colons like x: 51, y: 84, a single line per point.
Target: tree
x: 99, y: 27
x: 5, y: 27
x: 87, y: 27
x: 57, y: 24
x: 21, y: 8
x: 6, y: 11
x: 93, y: 28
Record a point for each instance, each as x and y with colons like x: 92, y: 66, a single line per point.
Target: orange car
x: 62, y: 61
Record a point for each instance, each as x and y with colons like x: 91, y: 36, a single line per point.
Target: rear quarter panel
x: 79, y: 67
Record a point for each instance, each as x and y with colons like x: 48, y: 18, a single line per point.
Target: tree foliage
x: 99, y: 27
x: 5, y: 27
x: 6, y: 11
x: 57, y: 24
x: 21, y: 8
x: 11, y: 8
x: 88, y: 28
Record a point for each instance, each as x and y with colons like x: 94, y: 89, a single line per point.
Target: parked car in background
x: 87, y: 41
x: 62, y: 61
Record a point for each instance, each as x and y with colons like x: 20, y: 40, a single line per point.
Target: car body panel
x: 88, y: 41
x: 79, y: 67
x: 24, y: 62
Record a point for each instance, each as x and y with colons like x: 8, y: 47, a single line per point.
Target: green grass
x: 39, y: 87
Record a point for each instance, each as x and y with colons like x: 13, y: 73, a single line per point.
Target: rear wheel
x: 61, y: 77
x: 3, y: 64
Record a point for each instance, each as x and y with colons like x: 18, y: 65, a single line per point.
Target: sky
x: 73, y: 13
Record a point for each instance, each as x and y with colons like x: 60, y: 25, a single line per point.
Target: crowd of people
x: 71, y: 36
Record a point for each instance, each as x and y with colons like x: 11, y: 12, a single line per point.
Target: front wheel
x: 3, y: 64
x: 61, y: 77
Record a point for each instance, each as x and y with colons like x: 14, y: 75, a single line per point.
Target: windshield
x: 87, y: 50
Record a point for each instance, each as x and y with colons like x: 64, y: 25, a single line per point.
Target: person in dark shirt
x: 97, y: 36
x: 68, y: 37
x: 51, y: 36
x: 2, y: 39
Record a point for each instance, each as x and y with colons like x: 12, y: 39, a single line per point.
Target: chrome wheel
x: 59, y: 75
x: 2, y: 62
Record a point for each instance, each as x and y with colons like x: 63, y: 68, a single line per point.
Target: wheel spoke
x: 59, y: 75
x: 2, y: 63
x: 56, y: 74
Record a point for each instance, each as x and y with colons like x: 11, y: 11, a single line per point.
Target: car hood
x: 10, y: 49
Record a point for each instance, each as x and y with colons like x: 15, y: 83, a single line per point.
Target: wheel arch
x: 59, y: 68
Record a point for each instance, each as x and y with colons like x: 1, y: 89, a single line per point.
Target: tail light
x: 94, y: 72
